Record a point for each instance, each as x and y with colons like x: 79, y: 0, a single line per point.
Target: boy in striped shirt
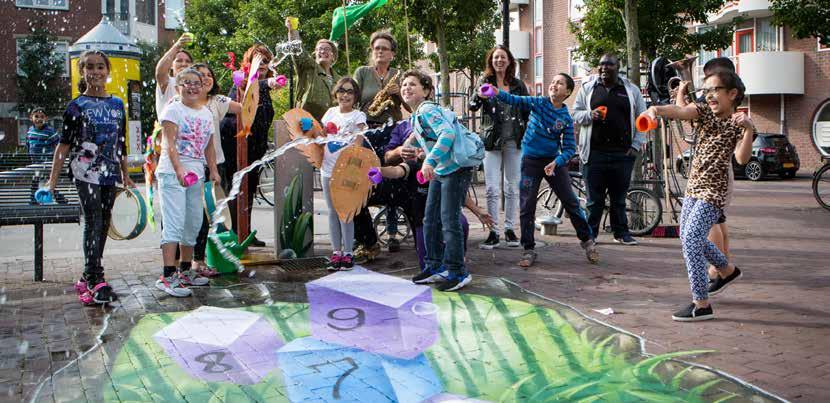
x: 547, y: 146
x: 41, y: 138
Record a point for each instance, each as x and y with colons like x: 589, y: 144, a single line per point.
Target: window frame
x: 43, y: 7
x: 573, y: 13
x: 820, y: 47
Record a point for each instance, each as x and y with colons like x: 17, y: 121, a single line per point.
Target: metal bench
x: 18, y: 185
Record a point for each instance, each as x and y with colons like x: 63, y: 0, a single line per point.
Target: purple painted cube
x: 217, y: 344
x: 373, y: 312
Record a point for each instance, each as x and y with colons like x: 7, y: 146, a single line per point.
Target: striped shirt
x: 438, y: 134
x: 550, y: 130
x: 43, y: 140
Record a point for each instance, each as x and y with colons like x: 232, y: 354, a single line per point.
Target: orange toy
x: 602, y: 111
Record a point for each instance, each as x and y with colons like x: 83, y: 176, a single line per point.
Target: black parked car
x: 771, y: 154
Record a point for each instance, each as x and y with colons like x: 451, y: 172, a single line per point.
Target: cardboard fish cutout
x: 350, y: 184
x: 294, y: 119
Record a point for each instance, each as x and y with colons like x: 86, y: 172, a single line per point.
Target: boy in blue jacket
x: 41, y: 138
x: 547, y: 146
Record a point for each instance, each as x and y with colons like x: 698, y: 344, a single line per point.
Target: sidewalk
x: 772, y: 329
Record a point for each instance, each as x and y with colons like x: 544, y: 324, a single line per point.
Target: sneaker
x: 431, y: 276
x: 512, y: 240
x: 491, y: 242
x: 692, y: 313
x: 528, y: 257
x: 719, y: 284
x: 102, y: 293
x: 191, y: 277
x: 172, y: 285
x: 84, y: 295
x: 257, y: 243
x: 366, y: 254
x: 455, y: 283
x: 346, y: 262
x: 591, y: 252
x: 626, y: 239
x: 393, y: 244
x: 334, y: 262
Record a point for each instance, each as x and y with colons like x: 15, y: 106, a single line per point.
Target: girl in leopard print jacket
x: 723, y: 131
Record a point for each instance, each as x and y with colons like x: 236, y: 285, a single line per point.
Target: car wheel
x: 787, y: 174
x: 754, y: 171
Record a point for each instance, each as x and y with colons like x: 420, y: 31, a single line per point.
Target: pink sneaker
x: 346, y: 262
x: 334, y: 262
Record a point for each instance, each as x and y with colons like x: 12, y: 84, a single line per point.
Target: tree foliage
x: 150, y: 55
x: 806, y: 18
x: 663, y: 28
x: 41, y: 82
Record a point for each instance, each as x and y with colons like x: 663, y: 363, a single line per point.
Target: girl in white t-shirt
x: 346, y: 119
x: 168, y: 67
x: 218, y: 105
x: 187, y: 127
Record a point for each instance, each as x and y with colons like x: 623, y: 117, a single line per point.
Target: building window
x: 766, y: 36
x: 145, y: 11
x: 576, y: 9
x: 540, y: 43
x: 821, y: 47
x: 173, y: 14
x: 61, y: 49
x: 538, y: 68
x: 47, y: 4
x: 578, y: 68
x: 821, y: 129
x: 538, y: 7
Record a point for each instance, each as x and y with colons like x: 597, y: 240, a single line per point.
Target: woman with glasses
x: 315, y: 77
x: 380, y: 83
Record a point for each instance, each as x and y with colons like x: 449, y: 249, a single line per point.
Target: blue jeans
x: 443, y: 235
x: 608, y: 173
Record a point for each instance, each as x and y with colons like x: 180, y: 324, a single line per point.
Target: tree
x: 150, y: 55
x: 40, y: 80
x: 806, y: 18
x: 461, y: 29
x: 632, y: 39
x: 663, y: 28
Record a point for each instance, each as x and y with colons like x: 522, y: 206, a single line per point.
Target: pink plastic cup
x: 375, y: 176
x: 420, y: 177
x: 190, y: 179
x: 487, y: 91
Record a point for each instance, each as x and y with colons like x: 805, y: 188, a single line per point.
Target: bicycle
x: 265, y: 188
x: 821, y: 185
x: 642, y: 206
x: 378, y: 214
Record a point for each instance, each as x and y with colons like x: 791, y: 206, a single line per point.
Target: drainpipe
x: 783, y: 126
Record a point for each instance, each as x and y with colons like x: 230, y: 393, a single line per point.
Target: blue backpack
x: 467, y: 149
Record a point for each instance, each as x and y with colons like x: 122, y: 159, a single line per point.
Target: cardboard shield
x: 250, y: 101
x: 350, y: 184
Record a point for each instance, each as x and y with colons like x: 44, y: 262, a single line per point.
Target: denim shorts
x: 181, y: 210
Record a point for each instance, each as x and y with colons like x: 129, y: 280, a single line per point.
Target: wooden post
x: 241, y: 163
x: 38, y: 252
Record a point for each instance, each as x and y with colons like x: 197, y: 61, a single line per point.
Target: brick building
x: 68, y: 20
x: 787, y: 78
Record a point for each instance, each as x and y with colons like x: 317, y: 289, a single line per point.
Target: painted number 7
x: 336, y: 392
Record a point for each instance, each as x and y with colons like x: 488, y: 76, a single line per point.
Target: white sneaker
x: 173, y: 286
x: 190, y: 277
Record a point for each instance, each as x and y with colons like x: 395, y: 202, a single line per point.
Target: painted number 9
x: 358, y: 316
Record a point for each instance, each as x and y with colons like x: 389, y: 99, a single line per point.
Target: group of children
x: 190, y: 111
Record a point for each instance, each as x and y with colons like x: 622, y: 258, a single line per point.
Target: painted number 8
x: 359, y: 318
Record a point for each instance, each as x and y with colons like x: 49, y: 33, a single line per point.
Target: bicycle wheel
x: 643, y: 209
x: 821, y: 186
x: 548, y: 206
x: 265, y: 189
x: 379, y: 221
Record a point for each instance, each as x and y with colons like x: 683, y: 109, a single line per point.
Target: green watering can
x: 230, y: 240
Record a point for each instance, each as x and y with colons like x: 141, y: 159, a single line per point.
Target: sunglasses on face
x: 349, y: 91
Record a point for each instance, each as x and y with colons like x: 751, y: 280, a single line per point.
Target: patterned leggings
x: 696, y: 219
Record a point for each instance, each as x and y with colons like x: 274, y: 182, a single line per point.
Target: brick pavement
x: 772, y: 328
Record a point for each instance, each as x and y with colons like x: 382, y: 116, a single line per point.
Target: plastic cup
x: 190, y: 179
x: 375, y: 176
x: 281, y: 80
x: 487, y: 90
x: 43, y: 196
x: 420, y: 177
x: 295, y: 22
x: 645, y: 123
x: 603, y: 110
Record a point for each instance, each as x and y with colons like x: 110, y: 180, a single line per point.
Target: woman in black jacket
x: 501, y: 130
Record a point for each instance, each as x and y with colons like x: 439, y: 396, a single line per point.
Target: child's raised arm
x: 688, y: 112
x: 166, y: 62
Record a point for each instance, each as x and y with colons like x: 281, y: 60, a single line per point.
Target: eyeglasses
x: 323, y: 50
x: 345, y: 91
x: 381, y: 49
x: 191, y: 84
x: 711, y: 90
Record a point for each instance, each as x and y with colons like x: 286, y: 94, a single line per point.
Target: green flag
x: 353, y: 13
